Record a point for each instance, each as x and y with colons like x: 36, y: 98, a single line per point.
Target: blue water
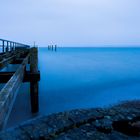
x: 82, y: 78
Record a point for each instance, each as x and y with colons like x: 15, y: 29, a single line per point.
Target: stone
x: 100, y: 124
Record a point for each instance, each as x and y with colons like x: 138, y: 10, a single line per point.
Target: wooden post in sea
x: 55, y: 47
x: 34, y: 83
x: 48, y: 47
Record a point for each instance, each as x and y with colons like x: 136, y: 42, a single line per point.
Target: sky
x: 71, y: 22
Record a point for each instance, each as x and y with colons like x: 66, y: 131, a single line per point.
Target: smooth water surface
x: 88, y: 77
x: 82, y: 78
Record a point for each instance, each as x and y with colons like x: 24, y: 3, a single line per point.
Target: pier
x: 17, y: 53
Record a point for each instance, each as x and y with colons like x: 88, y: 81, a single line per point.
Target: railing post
x: 7, y: 47
x: 3, y: 46
x: 10, y: 46
x: 15, y: 46
x: 33, y: 83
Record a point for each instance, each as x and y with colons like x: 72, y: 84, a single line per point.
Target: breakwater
x: 117, y: 122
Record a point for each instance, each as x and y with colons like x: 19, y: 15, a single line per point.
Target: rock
x: 136, y: 124
x: 100, y: 124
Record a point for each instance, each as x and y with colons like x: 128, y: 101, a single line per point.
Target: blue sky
x: 71, y: 22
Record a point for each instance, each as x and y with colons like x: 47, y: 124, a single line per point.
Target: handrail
x: 8, y: 45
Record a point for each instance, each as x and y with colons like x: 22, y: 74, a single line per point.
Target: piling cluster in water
x: 52, y: 47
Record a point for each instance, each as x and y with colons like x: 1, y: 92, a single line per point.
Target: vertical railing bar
x: 3, y: 46
x: 10, y: 45
x: 7, y: 47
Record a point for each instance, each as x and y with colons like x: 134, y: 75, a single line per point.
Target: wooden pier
x: 17, y: 53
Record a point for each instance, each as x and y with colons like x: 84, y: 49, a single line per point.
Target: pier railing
x: 17, y: 53
x: 7, y: 45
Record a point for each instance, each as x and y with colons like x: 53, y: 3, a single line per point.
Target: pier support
x: 33, y: 82
x: 55, y: 47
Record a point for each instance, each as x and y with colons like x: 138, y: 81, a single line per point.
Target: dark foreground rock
x: 116, y: 123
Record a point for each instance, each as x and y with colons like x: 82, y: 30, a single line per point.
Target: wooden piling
x: 55, y: 47
x: 34, y: 83
x: 48, y: 47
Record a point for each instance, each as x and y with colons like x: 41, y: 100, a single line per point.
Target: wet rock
x: 116, y: 123
x: 136, y: 124
x: 104, y: 125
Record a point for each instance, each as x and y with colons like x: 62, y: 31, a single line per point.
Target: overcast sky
x: 71, y: 22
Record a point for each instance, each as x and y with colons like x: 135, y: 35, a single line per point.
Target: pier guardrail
x: 16, y: 53
x: 7, y: 45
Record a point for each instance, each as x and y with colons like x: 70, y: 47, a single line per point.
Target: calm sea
x: 81, y: 78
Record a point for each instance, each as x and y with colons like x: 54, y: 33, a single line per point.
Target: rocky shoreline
x: 119, y: 122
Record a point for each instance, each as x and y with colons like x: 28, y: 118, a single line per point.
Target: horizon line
x: 98, y: 46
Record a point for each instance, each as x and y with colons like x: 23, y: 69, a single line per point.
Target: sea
x: 75, y: 78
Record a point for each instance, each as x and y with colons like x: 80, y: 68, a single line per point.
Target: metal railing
x: 6, y: 45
